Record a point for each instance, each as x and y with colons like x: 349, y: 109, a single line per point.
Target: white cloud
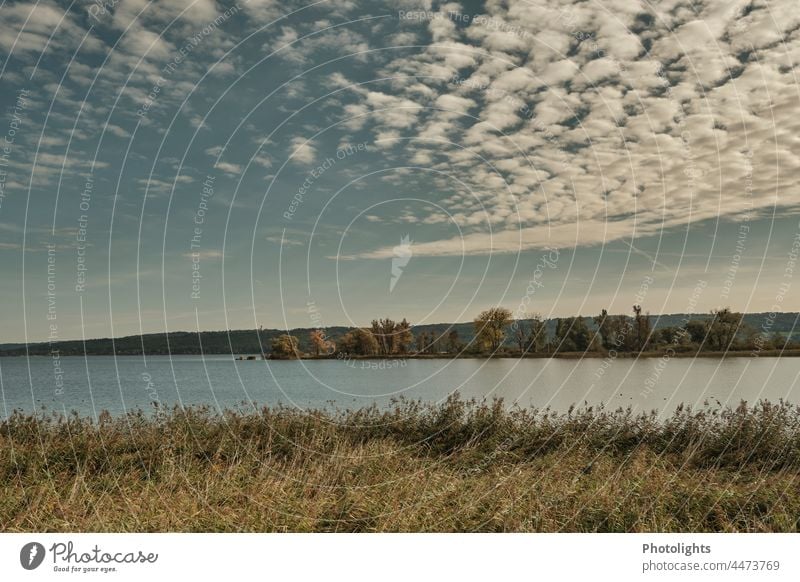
x: 117, y: 130
x: 229, y: 168
x: 30, y: 26
x: 205, y: 255
x: 600, y: 143
x: 303, y: 151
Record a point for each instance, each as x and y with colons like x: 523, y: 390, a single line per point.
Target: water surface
x: 95, y: 383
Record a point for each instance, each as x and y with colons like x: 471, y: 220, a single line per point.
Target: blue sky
x: 213, y: 165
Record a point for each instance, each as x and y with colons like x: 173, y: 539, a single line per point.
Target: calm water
x: 90, y: 385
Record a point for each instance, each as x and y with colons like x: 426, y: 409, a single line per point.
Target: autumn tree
x: 285, y: 347
x: 319, y: 342
x: 490, y: 327
x: 392, y: 337
x: 360, y: 342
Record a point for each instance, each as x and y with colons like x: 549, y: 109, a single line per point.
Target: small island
x: 495, y: 332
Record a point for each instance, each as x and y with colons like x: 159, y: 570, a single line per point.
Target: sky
x: 206, y: 165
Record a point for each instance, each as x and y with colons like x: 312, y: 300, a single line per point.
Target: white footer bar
x: 371, y: 557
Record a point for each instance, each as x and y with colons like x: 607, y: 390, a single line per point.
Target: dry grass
x: 458, y: 466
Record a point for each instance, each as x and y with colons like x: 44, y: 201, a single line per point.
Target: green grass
x: 456, y: 466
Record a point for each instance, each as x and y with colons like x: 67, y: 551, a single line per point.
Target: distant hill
x: 250, y: 341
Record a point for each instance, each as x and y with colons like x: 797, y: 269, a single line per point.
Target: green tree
x: 453, y: 341
x: 615, y: 332
x: 403, y: 338
x: 641, y: 329
x: 697, y: 331
x: 529, y: 335
x: 722, y: 328
x: 572, y: 335
x: 537, y: 338
x: 778, y: 340
x: 520, y: 334
x: 422, y: 342
x: 604, y: 328
x: 490, y: 327
x: 384, y: 332
x: 667, y: 336
x: 752, y: 337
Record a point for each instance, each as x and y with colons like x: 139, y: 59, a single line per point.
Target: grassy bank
x: 451, y: 467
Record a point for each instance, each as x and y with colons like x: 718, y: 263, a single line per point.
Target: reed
x: 453, y: 466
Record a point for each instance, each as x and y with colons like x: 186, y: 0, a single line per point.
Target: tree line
x: 759, y: 332
x: 496, y: 332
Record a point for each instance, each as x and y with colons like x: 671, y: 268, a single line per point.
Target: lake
x: 95, y: 383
